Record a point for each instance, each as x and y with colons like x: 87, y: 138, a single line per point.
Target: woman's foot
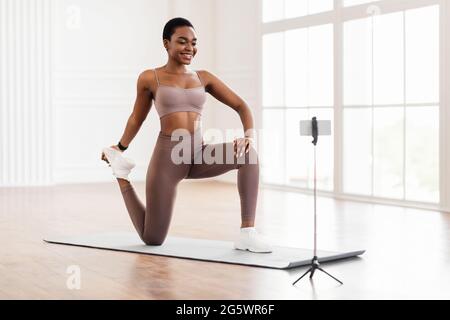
x: 121, y: 166
x: 249, y: 239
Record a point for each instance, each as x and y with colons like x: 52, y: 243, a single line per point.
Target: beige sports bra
x: 170, y: 99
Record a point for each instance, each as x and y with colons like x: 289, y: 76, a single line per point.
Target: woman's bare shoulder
x: 208, y: 77
x: 147, y: 78
x: 204, y: 72
x: 148, y: 74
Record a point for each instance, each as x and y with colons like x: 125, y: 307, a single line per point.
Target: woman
x: 179, y: 96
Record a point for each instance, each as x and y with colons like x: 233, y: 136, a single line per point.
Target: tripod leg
x: 302, y: 276
x: 312, y: 272
x: 330, y: 275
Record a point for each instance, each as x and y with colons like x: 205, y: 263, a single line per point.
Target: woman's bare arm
x: 226, y: 95
x: 141, y: 108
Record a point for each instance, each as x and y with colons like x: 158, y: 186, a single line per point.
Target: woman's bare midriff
x: 187, y: 120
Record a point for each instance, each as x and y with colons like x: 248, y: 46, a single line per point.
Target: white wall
x: 100, y: 82
x: 25, y: 92
x: 68, y: 82
x: 98, y: 55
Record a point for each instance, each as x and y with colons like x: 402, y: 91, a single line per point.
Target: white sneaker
x: 120, y: 165
x: 249, y: 239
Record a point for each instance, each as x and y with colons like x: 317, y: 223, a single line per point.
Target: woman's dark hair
x: 172, y: 24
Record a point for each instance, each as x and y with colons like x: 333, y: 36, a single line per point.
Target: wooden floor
x: 408, y: 252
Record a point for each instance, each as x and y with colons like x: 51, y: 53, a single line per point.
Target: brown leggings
x: 163, y: 175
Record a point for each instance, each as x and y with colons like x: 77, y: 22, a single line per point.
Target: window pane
x: 295, y: 8
x: 348, y: 3
x: 422, y: 154
x: 272, y: 160
x: 316, y: 6
x: 296, y: 68
x: 422, y: 55
x: 320, y: 73
x: 272, y: 73
x: 357, y: 151
x: 299, y: 155
x: 388, y: 152
x: 272, y: 10
x: 300, y: 151
x: 358, y: 62
x: 388, y: 59
x: 309, y: 67
x: 285, y: 9
x: 299, y: 8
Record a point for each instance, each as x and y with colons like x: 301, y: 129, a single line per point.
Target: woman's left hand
x: 241, y: 144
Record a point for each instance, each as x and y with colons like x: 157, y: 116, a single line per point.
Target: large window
x: 387, y: 99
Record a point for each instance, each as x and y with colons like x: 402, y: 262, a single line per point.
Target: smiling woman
x: 179, y: 95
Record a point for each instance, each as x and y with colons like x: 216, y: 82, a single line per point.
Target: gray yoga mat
x: 201, y: 249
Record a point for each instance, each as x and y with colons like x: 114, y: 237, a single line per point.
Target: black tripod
x: 315, y: 261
